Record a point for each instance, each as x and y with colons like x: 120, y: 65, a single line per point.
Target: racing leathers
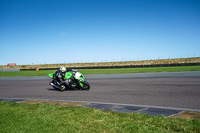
x: 59, y: 79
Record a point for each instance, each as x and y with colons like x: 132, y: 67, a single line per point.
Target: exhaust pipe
x: 54, y: 85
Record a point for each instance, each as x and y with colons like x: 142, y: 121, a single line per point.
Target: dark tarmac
x: 151, y: 93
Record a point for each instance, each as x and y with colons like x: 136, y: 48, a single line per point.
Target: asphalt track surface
x: 168, y: 90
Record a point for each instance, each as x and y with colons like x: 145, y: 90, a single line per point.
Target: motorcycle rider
x: 59, y: 77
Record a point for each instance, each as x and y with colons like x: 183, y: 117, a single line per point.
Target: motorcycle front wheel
x: 86, y: 85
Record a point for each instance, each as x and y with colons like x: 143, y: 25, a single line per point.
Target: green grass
x: 105, y: 71
x: 26, y: 73
x: 45, y: 118
x: 140, y: 70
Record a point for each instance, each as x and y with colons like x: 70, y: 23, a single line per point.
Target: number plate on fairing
x: 79, y: 75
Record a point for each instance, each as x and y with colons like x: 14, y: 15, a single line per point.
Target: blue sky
x: 77, y: 31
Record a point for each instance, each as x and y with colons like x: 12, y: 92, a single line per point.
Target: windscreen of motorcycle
x: 79, y: 75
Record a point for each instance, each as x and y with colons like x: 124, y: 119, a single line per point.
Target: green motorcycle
x: 74, y: 80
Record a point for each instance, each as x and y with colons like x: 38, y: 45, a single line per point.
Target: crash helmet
x: 62, y: 69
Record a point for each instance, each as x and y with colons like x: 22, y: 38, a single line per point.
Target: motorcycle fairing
x: 67, y: 75
x: 51, y: 75
x: 79, y: 76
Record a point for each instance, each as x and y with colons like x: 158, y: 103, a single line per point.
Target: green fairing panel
x: 50, y: 75
x: 68, y: 75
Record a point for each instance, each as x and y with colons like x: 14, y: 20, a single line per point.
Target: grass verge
x: 20, y: 117
x: 105, y: 71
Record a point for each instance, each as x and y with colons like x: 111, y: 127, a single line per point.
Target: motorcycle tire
x: 86, y: 85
